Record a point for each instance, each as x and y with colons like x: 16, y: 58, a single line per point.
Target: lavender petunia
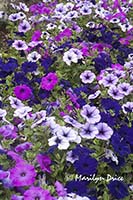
x: 104, y: 131
x: 91, y: 114
x: 109, y: 80
x: 87, y: 76
x: 125, y: 88
x: 88, y: 131
x: 14, y: 17
x: 61, y: 191
x: 127, y: 107
x: 20, y: 45
x: 24, y: 26
x: 115, y: 93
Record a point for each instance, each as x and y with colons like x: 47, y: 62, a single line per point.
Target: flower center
x: 22, y: 90
x: 20, y: 45
x: 37, y: 198
x: 23, y: 174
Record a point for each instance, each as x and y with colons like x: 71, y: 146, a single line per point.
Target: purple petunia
x: 22, y: 92
x: 8, y: 131
x: 37, y: 193
x: 23, y: 147
x: 44, y: 162
x: 22, y: 174
x: 118, y: 189
x: 48, y: 82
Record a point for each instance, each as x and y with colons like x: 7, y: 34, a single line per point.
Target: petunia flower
x: 44, y: 162
x: 37, y: 193
x: 88, y: 131
x: 20, y: 45
x: 87, y: 76
x: 91, y: 114
x: 69, y: 57
x: 22, y: 174
x: 114, y: 92
x: 118, y: 189
x: 15, y: 103
x: 33, y: 57
x: 24, y: 26
x: 22, y: 92
x: 48, y: 82
x: 61, y: 191
x: 36, y: 35
x: 8, y: 131
x: 104, y: 131
x: 23, y: 147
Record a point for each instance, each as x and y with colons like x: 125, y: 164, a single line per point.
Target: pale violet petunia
x: 91, y: 114
x: 104, y: 131
x: 24, y: 26
x: 114, y: 92
x: 125, y: 88
x: 109, y: 80
x: 88, y: 131
x: 19, y: 45
x: 70, y: 157
x: 127, y: 107
x: 87, y: 76
x: 72, y: 121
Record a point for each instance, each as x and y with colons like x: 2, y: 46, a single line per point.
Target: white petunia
x: 22, y: 112
x: 33, y: 57
x: 15, y: 103
x: 70, y: 57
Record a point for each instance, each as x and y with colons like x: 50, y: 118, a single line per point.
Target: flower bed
x: 66, y: 101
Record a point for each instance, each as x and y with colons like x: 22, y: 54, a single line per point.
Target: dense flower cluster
x: 66, y: 101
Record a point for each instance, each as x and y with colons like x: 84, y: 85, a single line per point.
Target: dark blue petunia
x: 29, y: 67
x: 110, y: 104
x: 78, y: 187
x: 86, y: 165
x: 118, y: 189
x: 47, y: 62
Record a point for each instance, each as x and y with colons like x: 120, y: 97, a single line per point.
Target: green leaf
x: 106, y: 196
